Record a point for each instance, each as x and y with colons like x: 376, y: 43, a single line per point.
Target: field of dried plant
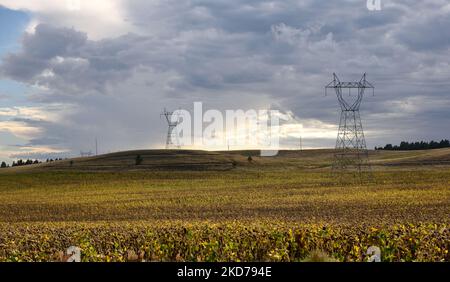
x: 280, y: 209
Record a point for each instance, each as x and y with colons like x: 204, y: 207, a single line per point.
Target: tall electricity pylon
x: 351, y: 153
x: 172, y: 141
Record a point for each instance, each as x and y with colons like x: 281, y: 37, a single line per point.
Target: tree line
x: 422, y: 145
x: 21, y: 162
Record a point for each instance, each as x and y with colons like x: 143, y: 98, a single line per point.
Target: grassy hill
x: 226, y: 160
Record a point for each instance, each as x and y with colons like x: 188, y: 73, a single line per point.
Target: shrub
x: 139, y: 160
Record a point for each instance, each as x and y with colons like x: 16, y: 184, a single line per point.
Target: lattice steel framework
x: 172, y: 140
x: 351, y: 152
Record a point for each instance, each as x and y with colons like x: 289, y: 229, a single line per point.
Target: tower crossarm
x: 338, y: 85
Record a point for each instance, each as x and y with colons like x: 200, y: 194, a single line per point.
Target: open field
x: 209, y: 206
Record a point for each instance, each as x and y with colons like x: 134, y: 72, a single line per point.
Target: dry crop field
x: 218, y: 206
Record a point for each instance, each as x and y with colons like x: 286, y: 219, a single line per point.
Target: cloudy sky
x: 72, y: 71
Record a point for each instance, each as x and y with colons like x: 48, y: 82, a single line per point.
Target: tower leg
x: 351, y: 155
x: 171, y: 135
x: 169, y: 138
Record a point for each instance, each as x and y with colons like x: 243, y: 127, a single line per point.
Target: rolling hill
x: 226, y: 160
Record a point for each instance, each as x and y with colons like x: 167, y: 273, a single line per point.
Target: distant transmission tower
x: 301, y: 144
x: 172, y: 140
x: 351, y: 151
x: 85, y: 154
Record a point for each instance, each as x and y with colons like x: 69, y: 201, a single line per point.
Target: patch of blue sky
x: 12, y: 25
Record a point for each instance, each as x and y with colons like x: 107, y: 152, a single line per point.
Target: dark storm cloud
x: 44, y: 141
x: 47, y: 43
x: 430, y: 34
x: 370, y: 19
x: 64, y: 60
x: 236, y: 53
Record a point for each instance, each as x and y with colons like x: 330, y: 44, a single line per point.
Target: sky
x: 75, y: 71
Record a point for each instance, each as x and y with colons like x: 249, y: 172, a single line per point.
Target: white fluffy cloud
x: 98, y: 18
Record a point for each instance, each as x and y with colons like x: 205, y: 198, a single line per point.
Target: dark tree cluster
x: 53, y: 160
x: 24, y: 162
x: 422, y: 145
x: 29, y: 162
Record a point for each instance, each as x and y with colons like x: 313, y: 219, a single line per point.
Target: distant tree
x: 71, y: 162
x: 36, y: 161
x: 139, y: 160
x: 3, y: 164
x: 434, y: 145
x: 249, y: 159
x: 422, y: 145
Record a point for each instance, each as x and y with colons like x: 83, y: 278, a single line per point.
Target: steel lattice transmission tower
x: 351, y: 152
x: 172, y: 134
